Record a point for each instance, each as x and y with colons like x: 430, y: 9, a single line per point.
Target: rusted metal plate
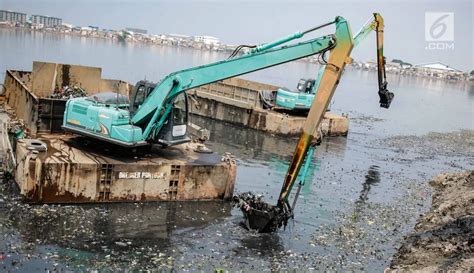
x: 28, y: 93
x: 238, y: 101
x: 50, y: 115
x: 19, y: 98
x: 47, y: 77
x: 212, y: 106
x: 77, y: 170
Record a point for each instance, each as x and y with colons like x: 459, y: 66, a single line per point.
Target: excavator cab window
x: 309, y: 86
x: 139, y: 97
x: 301, y: 85
x: 142, y: 90
x: 174, y: 128
x: 305, y: 86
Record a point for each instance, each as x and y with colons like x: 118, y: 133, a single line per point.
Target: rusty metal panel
x: 47, y: 77
x: 264, y: 120
x: 119, y: 86
x: 19, y: 98
x: 239, y: 92
x: 69, y: 174
x: 141, y: 183
x: 50, y: 115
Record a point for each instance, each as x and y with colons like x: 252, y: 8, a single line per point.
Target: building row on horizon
x: 22, y: 18
x: 430, y: 70
x: 53, y: 24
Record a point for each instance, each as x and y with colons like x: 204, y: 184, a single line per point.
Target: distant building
x: 440, y: 67
x: 175, y: 37
x: 46, y: 21
x: 136, y: 30
x: 12, y: 16
x: 67, y: 26
x: 208, y: 40
x: 438, y: 70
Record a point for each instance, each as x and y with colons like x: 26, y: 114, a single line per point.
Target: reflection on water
x: 257, y: 145
x: 266, y: 244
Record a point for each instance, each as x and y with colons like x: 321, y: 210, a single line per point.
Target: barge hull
x: 71, y: 172
x: 72, y: 169
x: 238, y: 101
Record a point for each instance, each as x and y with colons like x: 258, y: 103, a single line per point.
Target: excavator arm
x: 377, y: 24
x: 302, y: 98
x: 326, y: 86
x: 93, y: 117
x: 154, y: 109
x: 143, y: 125
x: 268, y: 218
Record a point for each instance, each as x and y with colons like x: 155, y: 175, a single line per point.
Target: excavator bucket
x: 386, y: 98
x: 259, y: 215
x: 259, y: 220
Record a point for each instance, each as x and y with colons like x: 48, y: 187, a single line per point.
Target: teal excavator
x: 157, y: 113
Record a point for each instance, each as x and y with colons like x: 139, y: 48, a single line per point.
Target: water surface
x: 362, y: 196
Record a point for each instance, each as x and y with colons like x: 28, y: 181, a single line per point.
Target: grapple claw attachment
x: 386, y: 98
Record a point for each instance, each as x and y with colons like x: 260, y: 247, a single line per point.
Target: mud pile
x: 444, y: 237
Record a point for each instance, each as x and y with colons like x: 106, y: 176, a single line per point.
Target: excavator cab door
x: 174, y: 129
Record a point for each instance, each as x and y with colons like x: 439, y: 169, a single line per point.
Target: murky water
x: 363, y: 193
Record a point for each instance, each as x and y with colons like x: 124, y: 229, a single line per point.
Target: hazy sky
x: 237, y: 22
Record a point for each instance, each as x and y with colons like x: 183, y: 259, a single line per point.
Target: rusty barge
x: 56, y: 167
x: 238, y: 101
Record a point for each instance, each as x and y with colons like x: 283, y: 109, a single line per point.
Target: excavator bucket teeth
x: 386, y: 98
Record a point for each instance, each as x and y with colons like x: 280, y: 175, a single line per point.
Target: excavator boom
x: 325, y: 89
x: 95, y: 118
x: 181, y: 81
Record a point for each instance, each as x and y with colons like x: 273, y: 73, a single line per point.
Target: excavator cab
x: 174, y: 127
x: 299, y: 99
x: 305, y: 86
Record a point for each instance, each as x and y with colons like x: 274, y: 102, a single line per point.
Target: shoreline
x: 169, y: 41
